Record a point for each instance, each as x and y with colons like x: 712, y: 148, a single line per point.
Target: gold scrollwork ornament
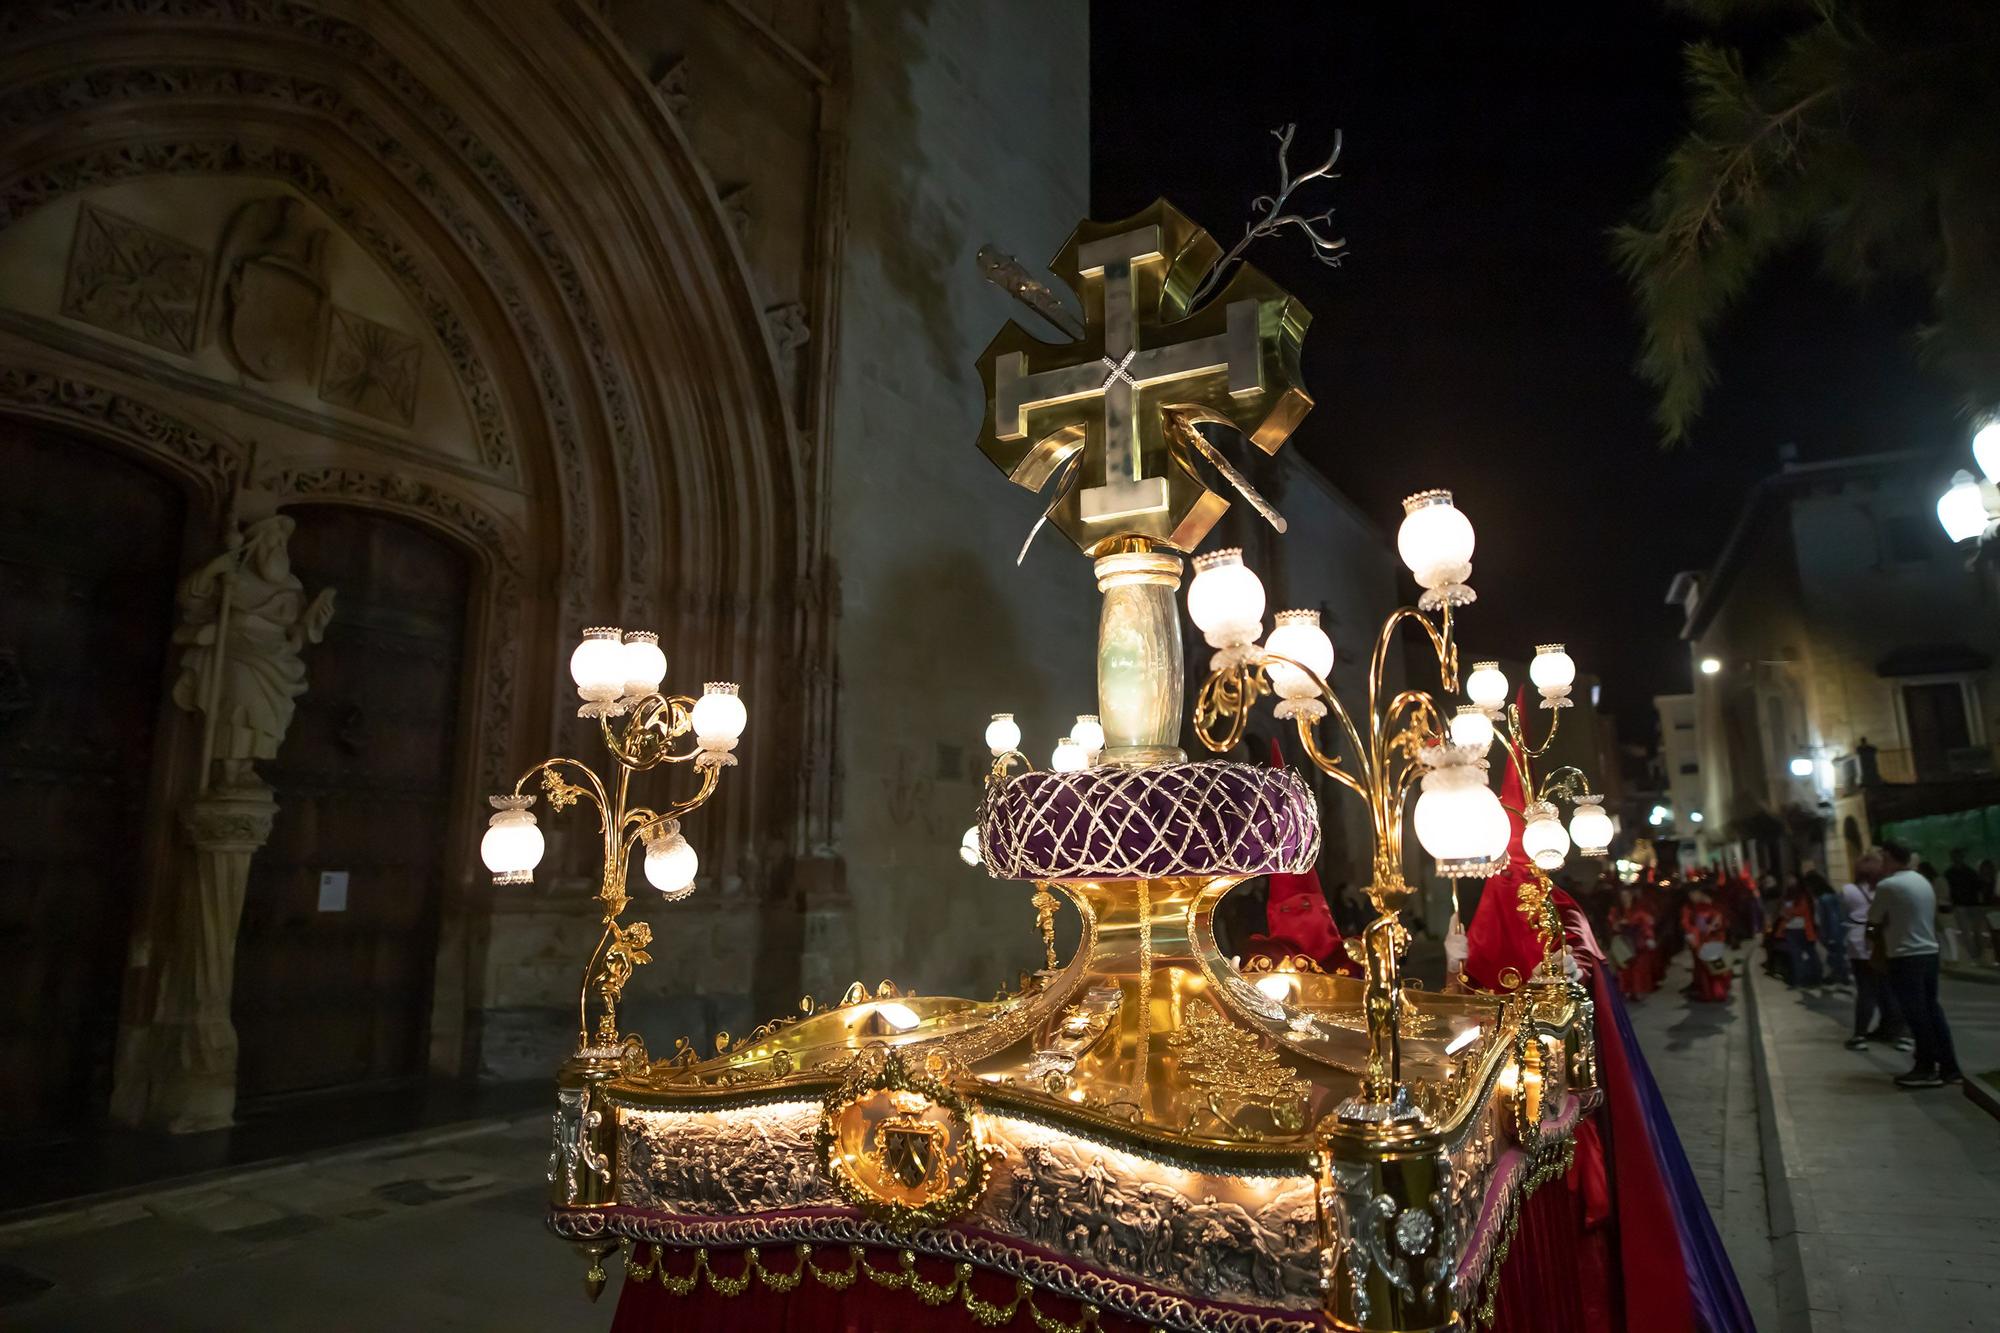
x: 900, y: 1143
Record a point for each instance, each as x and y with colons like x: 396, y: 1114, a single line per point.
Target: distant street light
x: 1802, y: 767
x: 1659, y: 815
x: 1694, y: 816
x: 1970, y: 508
x: 1710, y: 665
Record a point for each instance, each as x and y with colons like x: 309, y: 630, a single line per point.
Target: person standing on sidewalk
x: 1799, y: 935
x: 1876, y: 1017
x: 1905, y: 907
x: 1967, y: 894
x: 1828, y: 927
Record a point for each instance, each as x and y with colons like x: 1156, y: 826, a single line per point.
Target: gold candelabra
x: 642, y: 729
x: 1400, y: 742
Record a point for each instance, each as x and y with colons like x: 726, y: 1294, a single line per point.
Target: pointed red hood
x: 1296, y: 917
x: 1501, y: 939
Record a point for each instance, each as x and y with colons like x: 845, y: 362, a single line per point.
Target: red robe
x: 1641, y: 975
x: 1702, y: 923
x: 1297, y: 919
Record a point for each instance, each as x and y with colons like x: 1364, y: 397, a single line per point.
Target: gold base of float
x: 1144, y: 1121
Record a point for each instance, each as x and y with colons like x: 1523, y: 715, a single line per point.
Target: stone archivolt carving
x: 676, y: 84
x: 218, y: 464
x: 134, y: 281
x: 270, y: 284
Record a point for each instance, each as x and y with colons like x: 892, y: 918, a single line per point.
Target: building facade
x: 1842, y: 655
x: 391, y: 346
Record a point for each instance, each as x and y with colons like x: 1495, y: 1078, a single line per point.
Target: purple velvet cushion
x: 1127, y: 823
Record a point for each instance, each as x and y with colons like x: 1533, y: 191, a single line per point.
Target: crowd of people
x: 1878, y: 937
x: 1645, y: 925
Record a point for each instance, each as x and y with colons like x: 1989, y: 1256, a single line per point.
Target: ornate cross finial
x: 1101, y: 404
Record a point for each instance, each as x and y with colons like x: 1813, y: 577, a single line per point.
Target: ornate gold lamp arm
x: 641, y: 821
x: 639, y: 726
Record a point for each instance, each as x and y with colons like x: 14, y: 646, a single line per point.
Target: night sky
x: 1478, y: 336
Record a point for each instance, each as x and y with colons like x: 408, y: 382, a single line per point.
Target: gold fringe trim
x: 1558, y: 1164
x: 987, y: 1313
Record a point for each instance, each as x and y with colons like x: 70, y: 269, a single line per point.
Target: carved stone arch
x: 522, y: 185
x: 558, y: 190
x: 209, y: 462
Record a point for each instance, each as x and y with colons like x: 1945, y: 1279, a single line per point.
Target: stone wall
x: 970, y: 123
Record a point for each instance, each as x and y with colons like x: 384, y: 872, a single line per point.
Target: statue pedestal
x: 177, y: 1070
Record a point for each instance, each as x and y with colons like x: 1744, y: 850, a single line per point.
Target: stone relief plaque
x: 370, y: 367
x: 134, y: 281
x: 270, y: 286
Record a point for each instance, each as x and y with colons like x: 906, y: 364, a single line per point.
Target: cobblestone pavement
x: 439, y: 1237
x: 1896, y: 1194
x: 1700, y: 1056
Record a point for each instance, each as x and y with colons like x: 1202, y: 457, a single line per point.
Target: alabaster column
x: 178, y: 1072
x: 1141, y: 678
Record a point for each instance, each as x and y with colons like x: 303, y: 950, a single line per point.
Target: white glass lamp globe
x: 1487, y: 686
x: 1590, y: 828
x: 1543, y: 838
x: 1069, y: 757
x: 1472, y: 726
x: 1088, y: 732
x: 1986, y: 449
x: 1298, y: 637
x: 1435, y: 539
x: 968, y: 847
x: 512, y: 846
x: 645, y: 664
x: 719, y: 716
x: 1226, y: 599
x: 1552, y: 668
x: 671, y: 862
x: 1003, y: 733
x: 1460, y: 822
x: 598, y: 668
x: 1962, y: 509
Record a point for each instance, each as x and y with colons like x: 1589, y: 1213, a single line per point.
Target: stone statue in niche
x: 244, y: 619
x: 270, y: 289
x: 251, y: 595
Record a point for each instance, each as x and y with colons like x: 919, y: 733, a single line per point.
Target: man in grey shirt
x: 1905, y: 908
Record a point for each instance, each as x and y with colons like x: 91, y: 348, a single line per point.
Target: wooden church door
x: 340, y: 923
x: 90, y: 546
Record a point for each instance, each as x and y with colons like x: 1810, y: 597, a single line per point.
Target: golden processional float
x: 1144, y: 1128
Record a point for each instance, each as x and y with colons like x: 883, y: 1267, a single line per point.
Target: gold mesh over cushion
x: 1145, y: 823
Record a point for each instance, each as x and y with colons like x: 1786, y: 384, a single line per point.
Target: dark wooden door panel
x: 363, y: 783
x: 90, y: 543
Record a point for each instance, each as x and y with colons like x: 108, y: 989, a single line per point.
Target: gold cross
x: 1142, y: 356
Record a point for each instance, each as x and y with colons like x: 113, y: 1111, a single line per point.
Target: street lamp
x: 1970, y: 507
x: 1711, y: 666
x: 1694, y: 816
x: 1802, y: 767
